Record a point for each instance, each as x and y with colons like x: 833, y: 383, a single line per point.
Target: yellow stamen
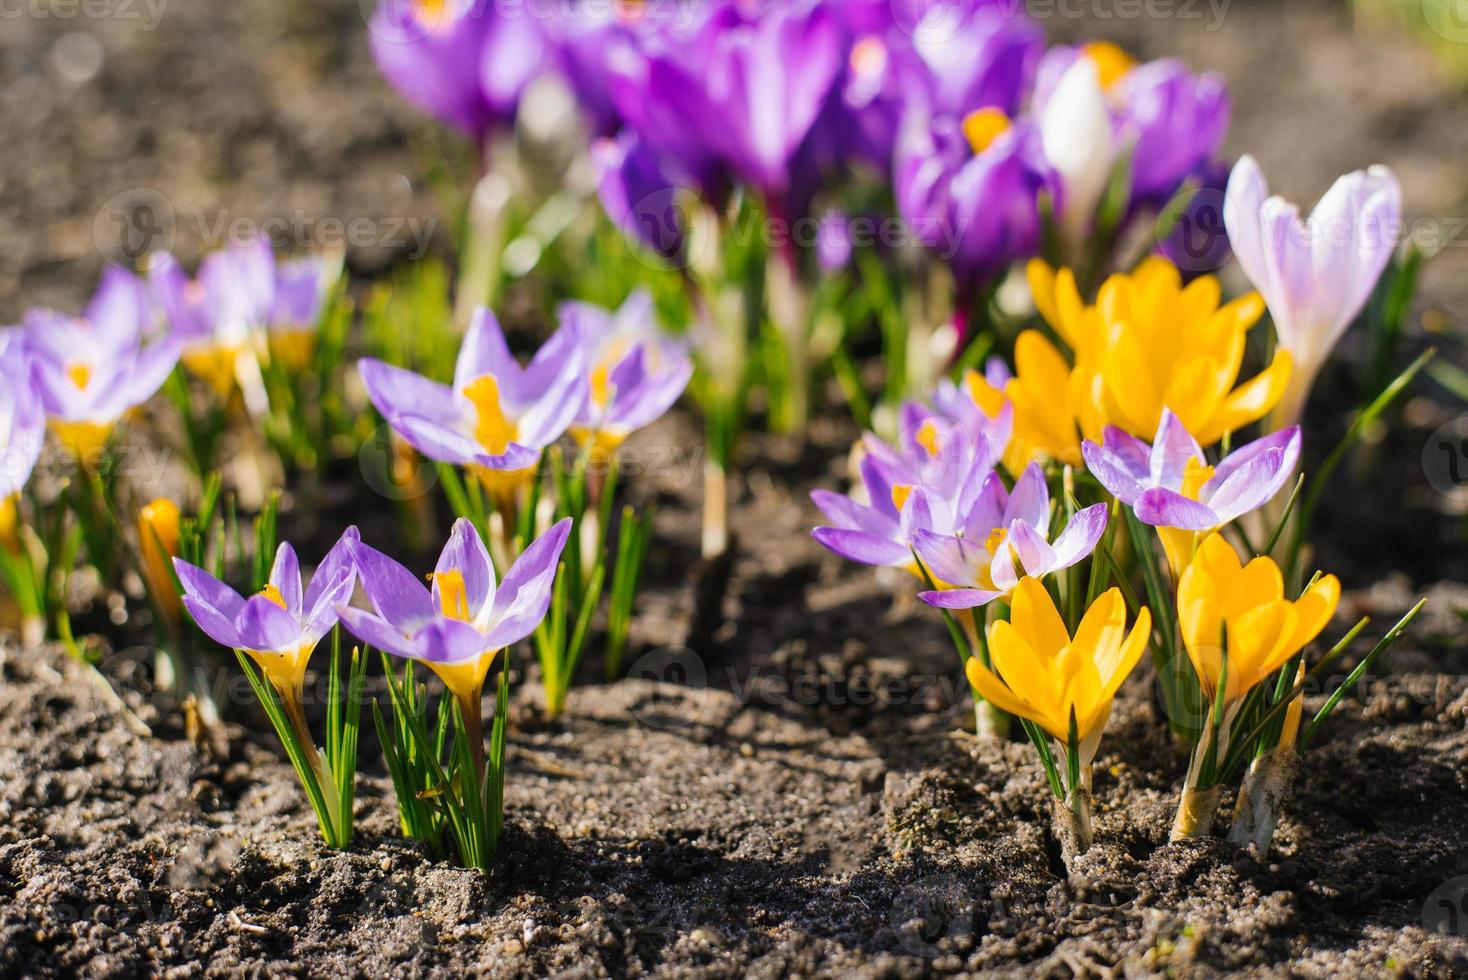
x: 1112, y: 63
x: 927, y: 437
x: 900, y: 493
x: 291, y: 348
x: 80, y: 374
x: 995, y: 540
x: 273, y: 594
x: 601, y: 385
x: 493, y: 429
x: 1195, y: 475
x: 983, y: 126
x: 453, y: 595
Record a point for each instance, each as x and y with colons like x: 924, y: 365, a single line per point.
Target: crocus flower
x: 158, y: 535
x: 1151, y: 344
x: 1171, y: 485
x: 497, y: 416
x: 639, y: 195
x: 971, y: 190
x: 943, y: 455
x: 217, y: 314
x: 461, y: 61
x: 1063, y: 684
x: 1001, y: 538
x: 1044, y: 674
x: 22, y: 430
x: 301, y: 290
x: 459, y: 625
x: 634, y: 371
x: 1167, y: 121
x: 90, y: 372
x: 280, y: 626
x: 1080, y: 145
x: 1049, y: 400
x: 1224, y: 605
x: 1316, y: 274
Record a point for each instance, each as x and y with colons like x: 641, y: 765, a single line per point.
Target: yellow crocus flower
x: 1225, y: 604
x: 1151, y: 343
x: 1044, y: 674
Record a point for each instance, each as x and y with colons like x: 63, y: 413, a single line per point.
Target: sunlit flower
x: 91, y: 372
x: 1050, y: 401
x: 302, y: 287
x: 634, y: 371
x: 1316, y: 274
x: 1150, y: 344
x: 1225, y: 607
x: 1171, y: 485
x: 217, y: 314
x: 497, y: 417
x: 158, y: 536
x: 1043, y: 674
x: 1079, y: 143
x: 280, y: 626
x: 951, y: 457
x: 22, y: 430
x: 458, y: 626
x: 1002, y: 537
x: 465, y: 62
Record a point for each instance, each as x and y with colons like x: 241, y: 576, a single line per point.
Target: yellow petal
x: 1314, y: 610
x: 992, y: 689
x: 1101, y: 632
x: 1034, y: 616
x: 1201, y: 623
x: 1258, y: 644
x: 1041, y: 278
x: 1029, y: 674
x: 1258, y: 584
x: 1251, y: 401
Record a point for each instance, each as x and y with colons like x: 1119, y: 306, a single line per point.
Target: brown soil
x: 804, y: 799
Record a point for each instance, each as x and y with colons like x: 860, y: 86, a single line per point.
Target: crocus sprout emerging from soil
x: 458, y: 627
x: 1239, y: 630
x: 278, y: 629
x: 1062, y: 687
x: 1171, y: 485
x: 496, y: 418
x: 1316, y: 274
x: 90, y: 372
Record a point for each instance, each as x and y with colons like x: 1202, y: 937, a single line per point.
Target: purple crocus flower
x: 640, y: 196
x: 22, y: 424
x: 461, y: 61
x: 976, y: 55
x: 301, y: 290
x: 1003, y: 537
x: 90, y: 372
x: 461, y: 623
x: 281, y: 626
x: 1175, y: 121
x: 948, y: 458
x: 833, y: 241
x: 634, y: 371
x: 217, y: 314
x: 497, y: 416
x: 1170, y: 484
x: 974, y: 197
x: 1315, y: 274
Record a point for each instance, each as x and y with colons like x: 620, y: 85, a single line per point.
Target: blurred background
x: 168, y: 124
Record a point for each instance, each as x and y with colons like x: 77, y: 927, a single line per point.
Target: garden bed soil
x: 803, y: 797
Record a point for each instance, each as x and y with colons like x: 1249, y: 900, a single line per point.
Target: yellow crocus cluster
x: 1148, y: 343
x: 1223, y: 604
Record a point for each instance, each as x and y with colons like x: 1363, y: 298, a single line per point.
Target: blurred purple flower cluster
x: 955, y: 106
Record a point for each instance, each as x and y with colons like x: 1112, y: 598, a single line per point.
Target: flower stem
x: 1071, y: 818
x: 715, y: 509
